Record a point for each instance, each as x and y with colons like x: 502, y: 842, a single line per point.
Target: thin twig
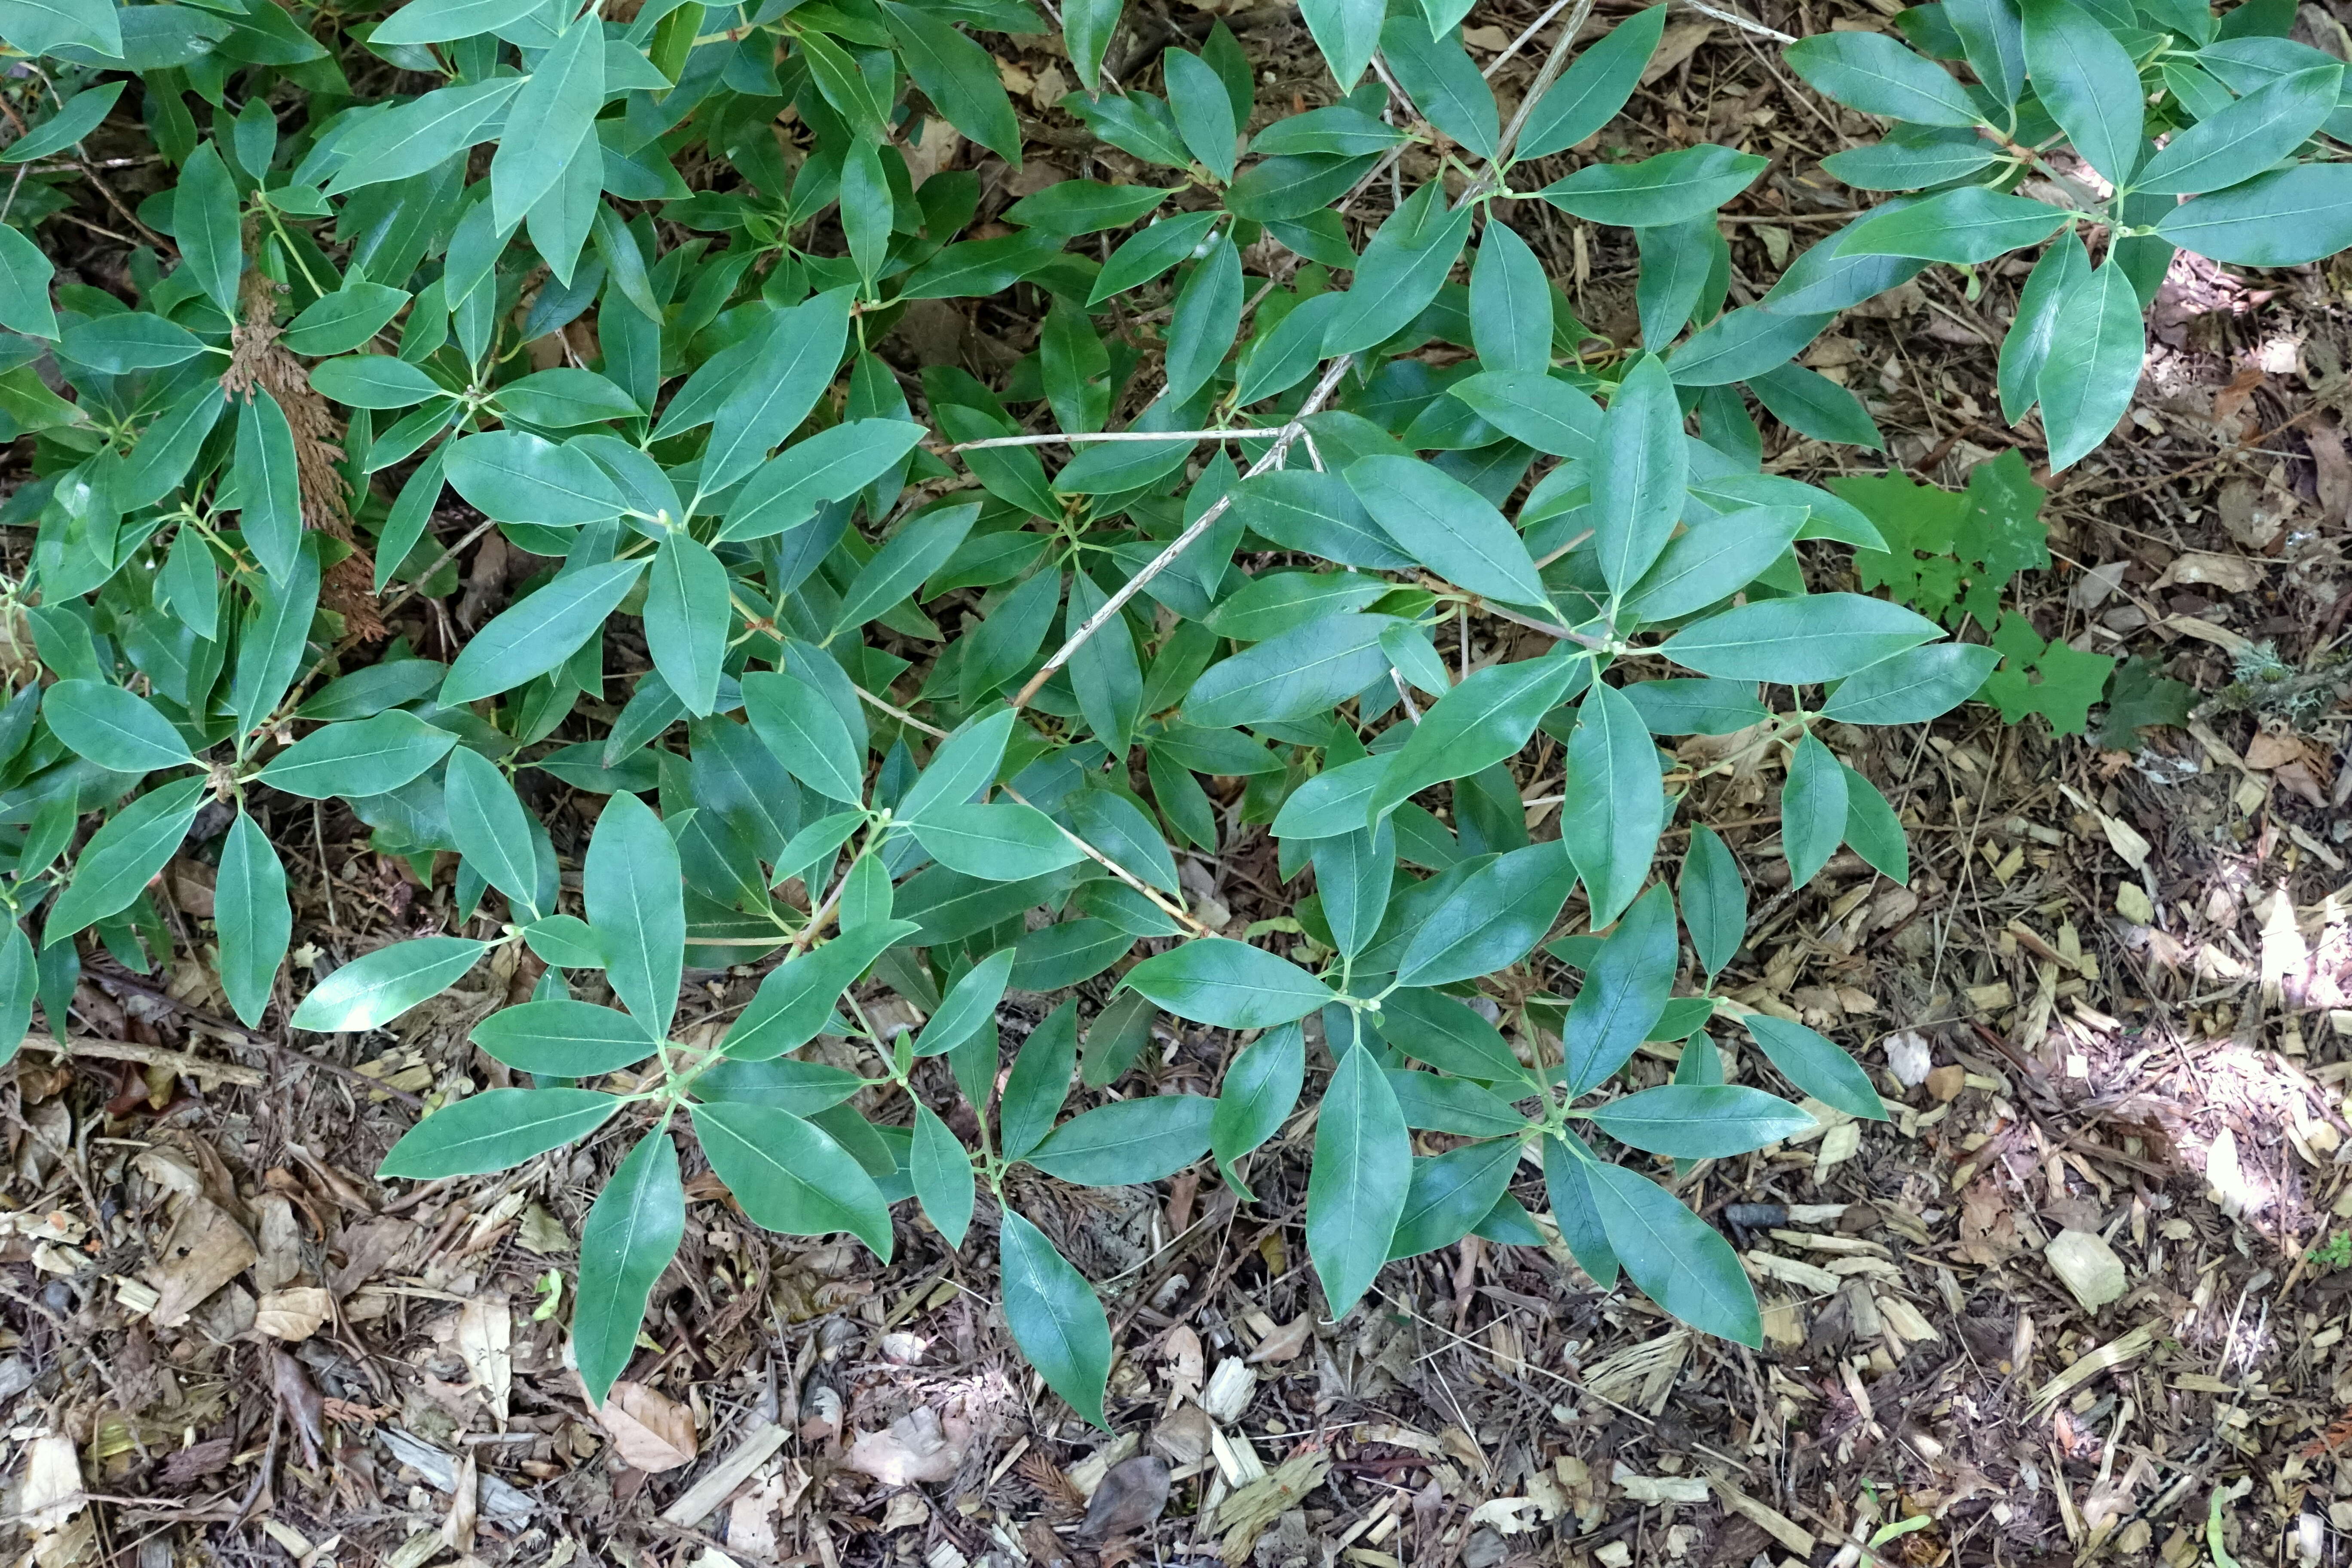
x: 1121, y: 872
x: 1554, y: 63
x: 1185, y: 541
x: 1704, y: 9
x: 1515, y: 45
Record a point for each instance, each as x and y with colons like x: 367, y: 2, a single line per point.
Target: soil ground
x: 2082, y: 1297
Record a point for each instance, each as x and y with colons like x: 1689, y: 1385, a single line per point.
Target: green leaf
x: 1625, y: 990
x: 803, y: 730
x: 1813, y: 810
x: 1128, y: 1140
x: 20, y: 981
x: 1714, y: 900
x: 1510, y: 303
x: 1299, y: 673
x: 1679, y: 1260
x: 252, y: 916
x: 1353, y: 875
x: 1993, y: 39
x: 419, y: 136
x: 1812, y: 404
x: 1482, y: 722
x: 1342, y: 130
x: 1204, y: 114
x: 107, y: 725
x: 2088, y: 82
x: 346, y: 319
x: 1260, y: 1090
x: 1595, y: 87
x: 1440, y: 1104
x: 2026, y: 348
x: 941, y: 1171
x: 634, y: 891
x: 1873, y: 829
x: 38, y: 26
x: 1085, y: 207
x: 270, y: 643
x: 957, y: 76
x: 564, y: 1039
x: 129, y: 341
x: 970, y: 1003
x: 782, y: 379
x: 1450, y: 1194
x: 1039, y: 1081
x: 2245, y: 139
x: 444, y: 21
x: 686, y: 618
x: 552, y: 113
x: 490, y: 827
x: 1875, y: 73
x: 205, y: 213
x: 1912, y: 160
x: 2097, y: 344
x: 1426, y: 54
x: 1316, y: 514
x: 1447, y: 527
x: 913, y: 553
x: 516, y: 477
x: 495, y: 1130
x: 25, y: 274
x: 380, y: 380
x: 1670, y: 188
x: 1966, y: 227
x: 123, y: 855
x: 1914, y: 687
x: 2284, y: 218
x: 795, y: 1002
x: 1143, y: 257
x: 268, y: 485
x: 1228, y: 984
x: 1616, y: 807
x: 373, y: 756
x: 1490, y: 921
x: 1713, y: 559
x: 1002, y: 842
x: 1117, y: 826
x: 1055, y: 1317
x: 962, y: 768
x: 1431, y: 1026
x: 632, y: 1232
x: 565, y: 397
x: 565, y: 941
x: 790, y: 1176
x: 1677, y: 263
x: 835, y: 464
x: 1539, y: 409
x: 1566, y: 1163
x: 1821, y: 637
x: 1346, y: 32
x: 1640, y: 471
x: 1356, y: 1189
x: 1207, y: 313
x: 1401, y: 272
x: 1816, y: 1066
x: 377, y: 987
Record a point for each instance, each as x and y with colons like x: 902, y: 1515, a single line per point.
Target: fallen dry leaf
x: 915, y: 1448
x: 1285, y: 1341
x: 650, y: 1431
x: 292, y: 1315
x: 2267, y: 751
x: 1132, y: 1498
x: 2231, y: 574
x: 205, y: 1251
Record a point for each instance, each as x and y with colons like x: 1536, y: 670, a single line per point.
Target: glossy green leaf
x: 1615, y: 807
x: 495, y: 1130
x: 1259, y: 1092
x: 1816, y: 1066
x: 117, y: 730
x: 2097, y: 344
x: 632, y: 1232
x: 1483, y: 720
x: 1054, y: 1318
x: 1640, y: 470
x: 630, y: 884
x: 1813, y: 810
x: 1821, y: 637
x: 1127, y: 1142
x: 957, y: 76
x: 564, y: 1039
x: 368, y: 757
x: 1447, y: 527
x: 2245, y: 139
x: 1714, y: 901
x: 1597, y: 84
x: 1356, y: 1189
x: 123, y: 855
x: 491, y: 828
x: 1967, y: 226
x: 1625, y: 989
x: 2284, y: 218
x: 1431, y: 1026
x: 1228, y: 984
x: 1913, y: 686
x: 942, y: 1174
x: 1450, y: 1194
x: 1875, y: 73
x: 252, y: 916
x: 1039, y: 1081
x: 796, y: 723
x: 2088, y: 82
x: 1679, y: 1260
x: 1299, y: 673
x: 1670, y: 188
x: 540, y: 632
x: 377, y: 987
x: 790, y: 1175
x: 1500, y: 911
x: 1873, y: 829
